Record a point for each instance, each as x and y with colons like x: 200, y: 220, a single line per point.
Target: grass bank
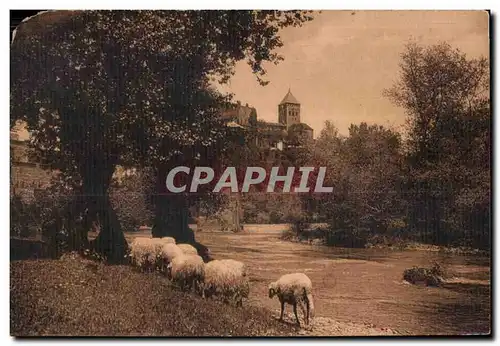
x: 73, y: 296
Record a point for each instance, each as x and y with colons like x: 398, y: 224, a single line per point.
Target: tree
x: 446, y: 98
x: 102, y: 88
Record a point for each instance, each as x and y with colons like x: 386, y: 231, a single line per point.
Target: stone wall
x: 26, y: 178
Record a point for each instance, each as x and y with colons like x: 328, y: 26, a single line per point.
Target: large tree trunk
x: 171, y: 219
x: 110, y: 241
x: 78, y: 233
x: 171, y: 210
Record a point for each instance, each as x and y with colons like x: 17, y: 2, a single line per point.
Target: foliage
x: 446, y: 97
x: 432, y: 276
x: 50, y: 216
x: 431, y: 186
x: 365, y: 172
x: 21, y: 224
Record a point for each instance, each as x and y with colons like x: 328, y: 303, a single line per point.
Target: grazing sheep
x: 226, y: 278
x: 188, y: 249
x: 294, y: 289
x: 159, y: 242
x: 168, y: 252
x: 143, y: 253
x: 168, y: 240
x: 238, y: 266
x: 146, y: 253
x: 187, y: 271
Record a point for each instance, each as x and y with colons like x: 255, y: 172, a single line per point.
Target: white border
x: 184, y: 4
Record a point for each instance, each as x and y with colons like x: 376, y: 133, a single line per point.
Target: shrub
x: 351, y: 238
x: 432, y: 276
x: 21, y: 224
x: 288, y: 234
x: 298, y: 229
x: 51, y: 215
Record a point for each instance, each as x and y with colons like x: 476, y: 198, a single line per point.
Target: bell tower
x: 289, y: 110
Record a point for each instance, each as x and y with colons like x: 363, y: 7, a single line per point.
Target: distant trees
x: 433, y: 185
x: 446, y: 98
x: 365, y: 171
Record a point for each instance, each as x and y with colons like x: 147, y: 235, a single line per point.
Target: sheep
x: 164, y: 240
x: 294, y: 289
x: 236, y: 265
x: 188, y: 249
x: 146, y: 253
x: 188, y: 271
x: 167, y: 253
x: 158, y: 245
x: 143, y: 253
x: 227, y: 278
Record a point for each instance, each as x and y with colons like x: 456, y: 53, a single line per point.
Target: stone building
x: 289, y: 110
x: 289, y: 115
x: 242, y: 115
x: 289, y: 126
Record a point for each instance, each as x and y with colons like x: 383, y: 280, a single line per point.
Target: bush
x: 298, y: 229
x: 21, y: 218
x: 263, y: 218
x: 386, y: 241
x: 288, y: 234
x: 351, y: 238
x: 51, y: 216
x: 432, y: 276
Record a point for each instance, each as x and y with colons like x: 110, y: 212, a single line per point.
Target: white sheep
x: 143, y: 253
x: 294, y: 289
x: 187, y: 271
x: 226, y: 278
x: 238, y: 267
x: 159, y: 242
x: 167, y: 253
x: 188, y: 249
x: 146, y: 253
x: 169, y: 240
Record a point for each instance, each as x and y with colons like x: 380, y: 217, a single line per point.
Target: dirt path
x: 360, y: 292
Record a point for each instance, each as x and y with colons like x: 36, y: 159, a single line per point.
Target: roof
x: 289, y: 98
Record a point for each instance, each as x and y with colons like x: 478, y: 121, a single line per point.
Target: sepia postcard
x: 250, y: 173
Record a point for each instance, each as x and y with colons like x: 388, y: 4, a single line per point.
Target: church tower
x: 289, y: 110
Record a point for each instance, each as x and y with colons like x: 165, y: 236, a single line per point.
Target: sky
x: 338, y: 64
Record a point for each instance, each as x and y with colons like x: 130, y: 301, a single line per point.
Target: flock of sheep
x: 226, y: 279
